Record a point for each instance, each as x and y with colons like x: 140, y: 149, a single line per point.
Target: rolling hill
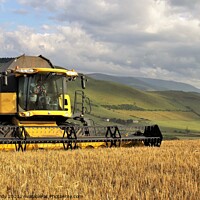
x: 177, y: 112
x: 146, y: 84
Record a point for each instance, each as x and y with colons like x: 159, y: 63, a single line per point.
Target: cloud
x: 45, y: 4
x: 20, y: 11
x: 185, y: 4
x: 150, y: 38
x: 69, y: 45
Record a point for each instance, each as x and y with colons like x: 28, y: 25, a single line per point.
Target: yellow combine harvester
x: 35, y: 109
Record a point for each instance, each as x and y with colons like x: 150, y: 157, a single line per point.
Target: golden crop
x: 169, y: 172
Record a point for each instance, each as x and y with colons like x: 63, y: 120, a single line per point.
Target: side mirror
x: 83, y: 81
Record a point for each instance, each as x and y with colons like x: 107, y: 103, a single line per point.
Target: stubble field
x: 169, y: 172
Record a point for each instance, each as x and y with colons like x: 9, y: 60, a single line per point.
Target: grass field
x: 177, y: 123
x: 177, y: 113
x: 169, y: 172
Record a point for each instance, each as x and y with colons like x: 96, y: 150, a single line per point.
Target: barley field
x: 169, y: 172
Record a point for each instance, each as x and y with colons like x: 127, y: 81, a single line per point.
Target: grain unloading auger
x: 35, y: 109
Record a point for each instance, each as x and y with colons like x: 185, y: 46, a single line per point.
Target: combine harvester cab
x: 35, y: 108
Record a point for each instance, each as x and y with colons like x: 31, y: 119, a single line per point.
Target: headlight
x: 25, y: 114
x: 28, y: 114
x: 71, y: 73
x: 25, y: 71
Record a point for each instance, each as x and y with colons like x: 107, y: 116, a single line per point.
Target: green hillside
x: 177, y: 113
x: 146, y: 84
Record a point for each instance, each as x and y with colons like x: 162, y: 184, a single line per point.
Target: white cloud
x: 68, y: 44
x: 151, y: 38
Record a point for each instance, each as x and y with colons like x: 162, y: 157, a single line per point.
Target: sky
x: 147, y: 38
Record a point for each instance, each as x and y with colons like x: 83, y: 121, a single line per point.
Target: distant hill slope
x: 146, y: 84
x: 106, y: 94
x: 176, y: 112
